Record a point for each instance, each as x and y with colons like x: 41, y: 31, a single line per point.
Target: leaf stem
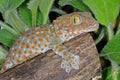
x: 100, y: 37
x: 110, y: 32
x: 8, y: 28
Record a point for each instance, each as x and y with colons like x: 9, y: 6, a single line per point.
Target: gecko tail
x: 8, y: 64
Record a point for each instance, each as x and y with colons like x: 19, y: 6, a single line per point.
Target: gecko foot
x: 69, y: 62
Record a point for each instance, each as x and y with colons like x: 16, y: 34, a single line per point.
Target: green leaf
x: 15, y: 21
x: 110, y: 74
x: 2, y: 7
x: 75, y: 3
x: 45, y: 6
x: 112, y: 49
x: 25, y: 14
x: 9, y: 4
x: 3, y: 54
x: 5, y: 26
x: 39, y: 18
x: 13, y: 4
x: 33, y: 6
x: 57, y: 10
x: 105, y: 10
x: 7, y: 38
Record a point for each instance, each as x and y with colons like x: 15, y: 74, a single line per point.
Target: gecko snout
x: 95, y: 25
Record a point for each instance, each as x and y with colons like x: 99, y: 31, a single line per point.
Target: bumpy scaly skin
x: 40, y: 39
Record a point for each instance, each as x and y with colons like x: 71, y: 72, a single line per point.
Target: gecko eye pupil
x: 75, y: 20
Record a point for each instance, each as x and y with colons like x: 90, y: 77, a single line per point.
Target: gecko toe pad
x: 69, y: 62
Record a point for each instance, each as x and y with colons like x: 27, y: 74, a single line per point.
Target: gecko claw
x: 69, y: 62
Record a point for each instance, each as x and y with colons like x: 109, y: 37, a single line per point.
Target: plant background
x: 17, y: 16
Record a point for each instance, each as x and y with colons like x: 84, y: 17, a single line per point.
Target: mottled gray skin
x: 40, y: 39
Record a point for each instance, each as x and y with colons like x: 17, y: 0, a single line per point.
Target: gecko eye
x: 75, y: 19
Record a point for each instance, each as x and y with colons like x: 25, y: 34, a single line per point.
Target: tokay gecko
x: 41, y: 39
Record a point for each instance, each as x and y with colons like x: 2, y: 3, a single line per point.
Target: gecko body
x: 41, y: 39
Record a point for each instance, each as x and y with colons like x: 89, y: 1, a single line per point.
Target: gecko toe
x: 69, y: 62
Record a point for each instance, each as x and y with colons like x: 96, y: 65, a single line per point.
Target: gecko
x: 39, y: 40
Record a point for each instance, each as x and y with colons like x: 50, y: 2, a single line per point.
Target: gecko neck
x: 62, y: 33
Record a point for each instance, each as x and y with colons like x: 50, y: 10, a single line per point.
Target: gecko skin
x: 41, y: 39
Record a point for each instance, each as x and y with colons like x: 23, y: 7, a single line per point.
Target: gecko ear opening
x: 75, y: 19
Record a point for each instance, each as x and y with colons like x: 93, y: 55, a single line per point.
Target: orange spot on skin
x: 39, y: 29
x: 65, y: 35
x: 90, y: 21
x: 67, y: 18
x: 46, y: 29
x: 37, y: 49
x: 39, y: 45
x: 67, y: 22
x: 73, y: 31
x: 24, y: 57
x: 79, y: 32
x: 40, y: 39
x: 14, y: 50
x: 67, y: 26
x: 65, y: 54
x: 84, y: 18
x: 27, y: 36
x: 33, y: 47
x: 62, y: 25
x: 23, y: 44
x: 50, y: 35
x: 18, y: 41
x: 33, y: 31
x: 33, y: 38
x: 57, y: 18
x: 8, y: 62
x: 35, y: 42
x: 61, y: 49
x: 30, y: 52
x: 68, y: 31
x: 45, y: 45
x: 39, y: 34
x: 27, y: 45
x: 4, y: 68
x: 47, y: 39
x: 18, y: 61
x: 84, y: 23
x: 42, y: 49
x: 51, y: 30
x: 60, y: 33
x: 19, y: 51
x: 55, y: 23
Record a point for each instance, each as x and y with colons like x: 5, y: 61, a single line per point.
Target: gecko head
x: 76, y: 23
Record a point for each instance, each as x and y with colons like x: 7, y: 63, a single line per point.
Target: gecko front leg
x: 69, y: 60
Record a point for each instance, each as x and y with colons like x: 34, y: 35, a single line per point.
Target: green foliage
x: 110, y: 74
x: 3, y: 54
x: 6, y: 5
x: 112, y: 49
x: 45, y: 6
x: 25, y: 14
x: 105, y: 11
x: 33, y: 6
x: 75, y: 3
x: 6, y: 37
